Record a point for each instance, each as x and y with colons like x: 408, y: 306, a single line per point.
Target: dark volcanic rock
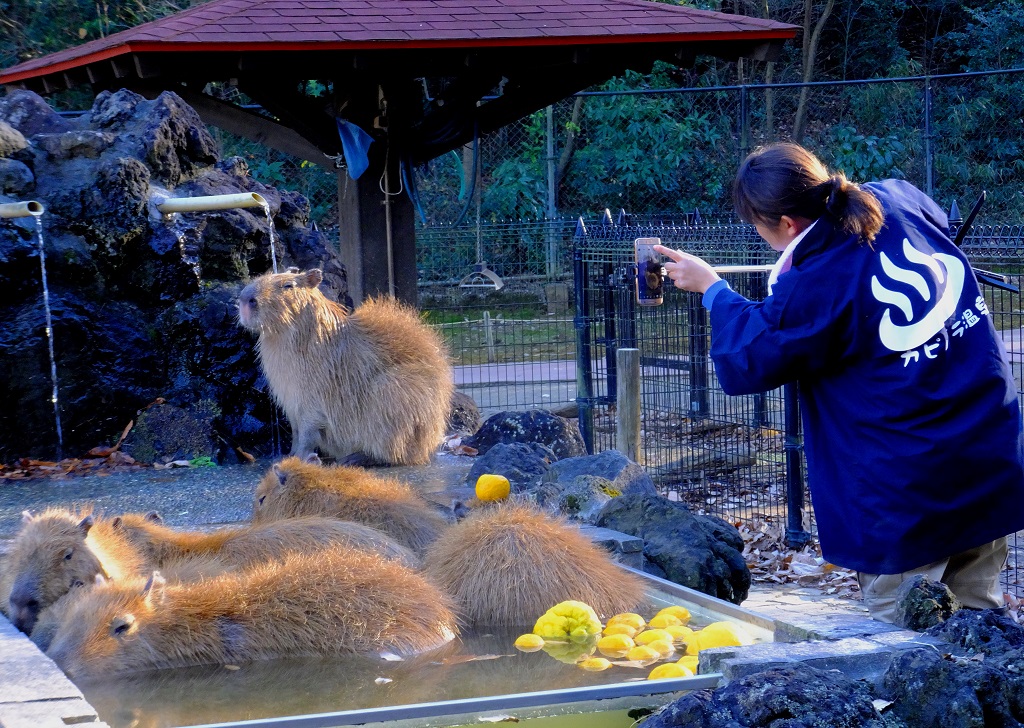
x: 985, y: 631
x: 164, y: 433
x: 627, y: 477
x: 464, y: 415
x: 143, y: 304
x: 922, y: 603
x: 797, y: 696
x: 524, y: 465
x: 702, y: 552
x: 560, y: 435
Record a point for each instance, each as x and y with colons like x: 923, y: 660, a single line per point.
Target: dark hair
x: 786, y: 179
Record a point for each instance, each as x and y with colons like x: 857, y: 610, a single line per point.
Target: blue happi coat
x: 911, y: 422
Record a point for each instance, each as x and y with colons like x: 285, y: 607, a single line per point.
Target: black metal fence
x: 734, y: 457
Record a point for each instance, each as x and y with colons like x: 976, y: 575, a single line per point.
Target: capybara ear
x: 26, y: 516
x: 282, y: 476
x: 100, y: 580
x: 293, y: 269
x: 154, y: 517
x: 312, y: 278
x: 121, y: 624
x: 153, y: 592
x: 314, y: 459
x: 86, y: 525
x: 116, y: 523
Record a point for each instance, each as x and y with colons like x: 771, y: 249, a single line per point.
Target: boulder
x: 464, y: 415
x: 524, y: 465
x: 15, y: 178
x: 558, y: 434
x: 984, y: 631
x: 30, y: 114
x: 625, y: 475
x: 922, y: 603
x: 582, y: 500
x: 794, y: 696
x: 164, y: 433
x: 702, y: 552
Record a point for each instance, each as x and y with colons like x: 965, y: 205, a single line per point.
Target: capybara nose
x: 24, y: 616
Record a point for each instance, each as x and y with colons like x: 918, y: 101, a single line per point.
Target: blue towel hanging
x: 355, y: 145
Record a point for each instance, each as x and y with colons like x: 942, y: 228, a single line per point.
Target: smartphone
x: 650, y: 281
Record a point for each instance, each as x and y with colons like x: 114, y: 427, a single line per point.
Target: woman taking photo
x: 912, y: 427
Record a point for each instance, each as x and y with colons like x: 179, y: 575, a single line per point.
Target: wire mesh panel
x: 721, y: 455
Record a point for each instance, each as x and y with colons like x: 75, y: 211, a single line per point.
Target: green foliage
x: 866, y: 157
x: 204, y: 461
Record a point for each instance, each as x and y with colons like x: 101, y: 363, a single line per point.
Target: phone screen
x: 650, y: 283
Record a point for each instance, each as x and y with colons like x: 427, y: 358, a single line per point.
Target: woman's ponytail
x: 855, y: 209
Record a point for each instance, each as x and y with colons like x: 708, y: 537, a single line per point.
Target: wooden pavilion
x: 488, y: 63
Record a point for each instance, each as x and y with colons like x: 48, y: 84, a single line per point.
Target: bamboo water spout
x: 29, y: 208
x: 211, y: 202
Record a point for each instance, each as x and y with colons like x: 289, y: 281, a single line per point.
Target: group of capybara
x: 337, y: 559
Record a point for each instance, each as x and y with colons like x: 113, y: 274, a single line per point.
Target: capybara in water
x: 507, y: 564
x: 373, y: 386
x: 330, y: 602
x: 60, y: 549
x: 248, y: 545
x: 295, y: 487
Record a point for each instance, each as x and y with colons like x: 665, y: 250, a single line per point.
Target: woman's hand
x: 687, y: 271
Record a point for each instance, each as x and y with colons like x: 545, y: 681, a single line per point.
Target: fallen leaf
x: 383, y: 680
x: 498, y: 719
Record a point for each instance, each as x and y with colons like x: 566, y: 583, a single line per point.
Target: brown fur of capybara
x: 295, y: 487
x: 374, y: 383
x: 508, y: 564
x: 249, y: 545
x: 60, y: 549
x: 331, y: 602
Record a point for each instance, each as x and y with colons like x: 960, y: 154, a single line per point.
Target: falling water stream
x: 270, y: 227
x: 49, y: 338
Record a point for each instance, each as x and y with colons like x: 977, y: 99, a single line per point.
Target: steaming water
x: 270, y: 227
x: 49, y: 338
x: 277, y: 688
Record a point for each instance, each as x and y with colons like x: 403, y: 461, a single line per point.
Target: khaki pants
x: 973, y: 576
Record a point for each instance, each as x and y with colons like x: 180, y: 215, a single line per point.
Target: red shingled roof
x: 283, y: 25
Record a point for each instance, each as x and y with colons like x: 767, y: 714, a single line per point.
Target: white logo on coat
x: 947, y: 272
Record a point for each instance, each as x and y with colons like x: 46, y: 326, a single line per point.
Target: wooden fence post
x: 627, y: 404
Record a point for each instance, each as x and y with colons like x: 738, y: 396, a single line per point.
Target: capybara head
x: 277, y: 494
x: 99, y: 631
x: 274, y: 301
x: 49, y: 557
x: 137, y: 529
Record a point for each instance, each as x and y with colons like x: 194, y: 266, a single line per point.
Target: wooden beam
x: 255, y: 127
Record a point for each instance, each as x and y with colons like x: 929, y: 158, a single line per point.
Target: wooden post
x: 627, y: 404
x: 492, y: 355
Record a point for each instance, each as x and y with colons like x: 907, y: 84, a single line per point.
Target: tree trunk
x: 810, y: 52
x: 565, y: 159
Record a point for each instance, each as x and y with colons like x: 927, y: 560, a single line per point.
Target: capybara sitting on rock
x: 370, y: 387
x: 59, y: 550
x: 323, y: 603
x: 249, y: 545
x: 297, y: 487
x: 508, y: 564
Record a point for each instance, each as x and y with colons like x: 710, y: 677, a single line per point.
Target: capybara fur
x: 375, y: 384
x: 508, y: 564
x: 331, y: 602
x: 295, y: 487
x: 60, y: 549
x: 248, y: 545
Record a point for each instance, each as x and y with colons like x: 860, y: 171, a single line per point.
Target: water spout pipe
x: 211, y: 202
x: 30, y: 208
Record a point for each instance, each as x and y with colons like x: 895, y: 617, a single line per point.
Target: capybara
x: 508, y: 564
x: 247, y: 545
x: 60, y: 549
x: 369, y: 387
x: 295, y: 487
x: 330, y: 602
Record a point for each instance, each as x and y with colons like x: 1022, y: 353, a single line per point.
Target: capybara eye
x: 289, y: 284
x: 77, y: 583
x: 120, y: 625
x: 68, y: 554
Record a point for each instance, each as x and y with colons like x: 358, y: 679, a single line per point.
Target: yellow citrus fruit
x: 661, y: 621
x: 616, y: 645
x: 529, y: 643
x: 669, y: 669
x: 689, y: 662
x: 681, y: 634
x: 648, y: 636
x: 664, y: 647
x: 633, y: 620
x: 680, y: 613
x: 643, y: 653
x: 491, y: 487
x: 724, y: 634
x: 594, y: 664
x: 623, y: 629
